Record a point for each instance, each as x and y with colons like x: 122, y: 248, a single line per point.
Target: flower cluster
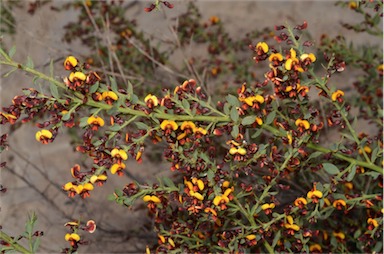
x: 74, y: 237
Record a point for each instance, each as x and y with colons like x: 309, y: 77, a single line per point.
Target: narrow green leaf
x: 226, y: 108
x: 66, y: 117
x: 94, y: 87
x: 83, y: 122
x: 29, y: 63
x: 257, y: 133
x: 210, y: 176
x: 112, y: 110
x: 234, y: 114
x: 185, y: 104
x: 331, y: 169
x: 248, y: 120
x: 271, y: 116
x: 51, y: 68
x: 36, y: 244
x: 235, y: 131
x: 141, y: 126
x: 54, y: 91
x: 351, y: 174
x: 9, y: 73
x: 12, y: 51
x: 276, y: 238
x: 115, y: 127
x: 314, y: 155
x: 233, y: 100
x: 113, y: 84
x: 129, y: 88
x: 134, y: 98
x: 168, y: 182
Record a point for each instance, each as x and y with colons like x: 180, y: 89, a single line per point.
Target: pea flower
x: 337, y: 96
x: 95, y: 122
x: 44, y: 136
x: 302, y: 124
x: 119, y: 153
x: 339, y: 204
x: 70, y: 63
x: 151, y: 101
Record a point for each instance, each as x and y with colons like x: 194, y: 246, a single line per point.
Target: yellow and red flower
x: 72, y: 237
x: 10, y: 118
x: 168, y: 126
x: 70, y: 63
x: 251, y: 100
x: 372, y: 223
x: 267, y: 208
x: 337, y: 96
x: 290, y: 225
x: 310, y: 58
x: 95, y: 122
x: 300, y: 202
x: 74, y: 76
x: 151, y: 198
x: 314, y: 194
x: 339, y: 204
x: 151, y: 101
x: 302, y: 124
x: 293, y: 62
x: 44, y: 136
x: 117, y: 167
x: 98, y: 179
x: 261, y: 48
x: 119, y: 154
x: 339, y: 235
x: 275, y: 57
x: 109, y: 97
x: 315, y: 248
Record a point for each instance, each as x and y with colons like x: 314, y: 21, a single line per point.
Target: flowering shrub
x: 252, y: 171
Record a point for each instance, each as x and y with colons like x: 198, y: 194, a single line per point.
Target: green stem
x: 345, y: 158
x: 323, y: 86
x: 246, y: 213
x: 16, y: 246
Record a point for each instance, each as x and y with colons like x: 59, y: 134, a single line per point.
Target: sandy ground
x: 39, y: 37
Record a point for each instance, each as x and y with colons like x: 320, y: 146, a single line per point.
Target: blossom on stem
x: 339, y: 204
x: 109, y: 97
x: 119, y: 154
x: 340, y: 236
x: 151, y: 101
x: 302, y: 124
x: 70, y: 63
x: 337, y: 96
x: 117, y: 167
x: 95, y: 122
x: 290, y: 225
x: 44, y: 136
x: 300, y: 202
x: 168, y: 126
x: 262, y: 47
x: 314, y: 194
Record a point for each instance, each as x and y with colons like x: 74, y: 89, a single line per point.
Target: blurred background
x: 52, y: 30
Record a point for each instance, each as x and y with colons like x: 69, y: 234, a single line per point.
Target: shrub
x: 252, y: 171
